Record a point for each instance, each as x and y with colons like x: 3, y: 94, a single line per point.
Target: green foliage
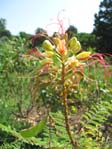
x: 3, y: 30
x: 87, y: 40
x: 2, y: 24
x: 17, y: 135
x: 55, y: 133
x: 14, y: 145
x: 93, y: 123
x: 71, y: 31
x: 35, y: 130
x: 103, y: 27
x: 24, y: 35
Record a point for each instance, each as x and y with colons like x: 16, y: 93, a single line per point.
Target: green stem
x: 74, y: 143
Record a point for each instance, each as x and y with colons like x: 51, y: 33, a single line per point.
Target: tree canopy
x: 103, y: 27
x: 3, y: 30
x: 71, y: 31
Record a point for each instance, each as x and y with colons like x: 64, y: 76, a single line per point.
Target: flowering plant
x: 61, y: 64
x: 61, y: 67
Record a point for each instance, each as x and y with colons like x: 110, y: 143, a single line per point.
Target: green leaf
x: 33, y: 131
x: 57, y: 59
x: 91, y: 127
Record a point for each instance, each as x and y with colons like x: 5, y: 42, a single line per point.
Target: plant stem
x: 74, y: 143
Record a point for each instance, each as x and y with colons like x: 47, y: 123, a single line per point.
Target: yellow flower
x: 83, y: 55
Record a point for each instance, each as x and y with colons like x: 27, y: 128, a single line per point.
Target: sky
x: 28, y: 15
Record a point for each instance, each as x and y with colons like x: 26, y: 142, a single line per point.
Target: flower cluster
x: 70, y: 49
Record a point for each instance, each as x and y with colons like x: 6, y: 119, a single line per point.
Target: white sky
x: 28, y: 15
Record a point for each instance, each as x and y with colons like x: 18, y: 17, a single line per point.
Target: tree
x: 103, y: 27
x: 5, y: 33
x: 2, y: 24
x: 39, y: 40
x: 87, y: 40
x: 3, y: 30
x: 71, y: 31
x: 24, y: 35
x: 40, y: 30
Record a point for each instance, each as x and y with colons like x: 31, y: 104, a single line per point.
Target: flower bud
x: 83, y: 55
x: 61, y: 48
x: 47, y: 45
x: 65, y: 36
x: 49, y: 54
x: 57, y: 41
x: 74, y: 45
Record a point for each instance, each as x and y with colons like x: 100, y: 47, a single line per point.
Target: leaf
x: 91, y: 127
x: 33, y: 131
x: 9, y: 130
x: 56, y: 59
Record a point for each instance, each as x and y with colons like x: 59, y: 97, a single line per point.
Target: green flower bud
x: 83, y: 55
x: 47, y: 45
x: 49, y: 54
x: 74, y: 45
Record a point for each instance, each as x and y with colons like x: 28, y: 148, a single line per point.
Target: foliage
x: 92, y: 123
x: 87, y: 40
x: 39, y: 40
x: 24, y: 35
x: 103, y: 27
x: 2, y: 24
x: 71, y: 31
